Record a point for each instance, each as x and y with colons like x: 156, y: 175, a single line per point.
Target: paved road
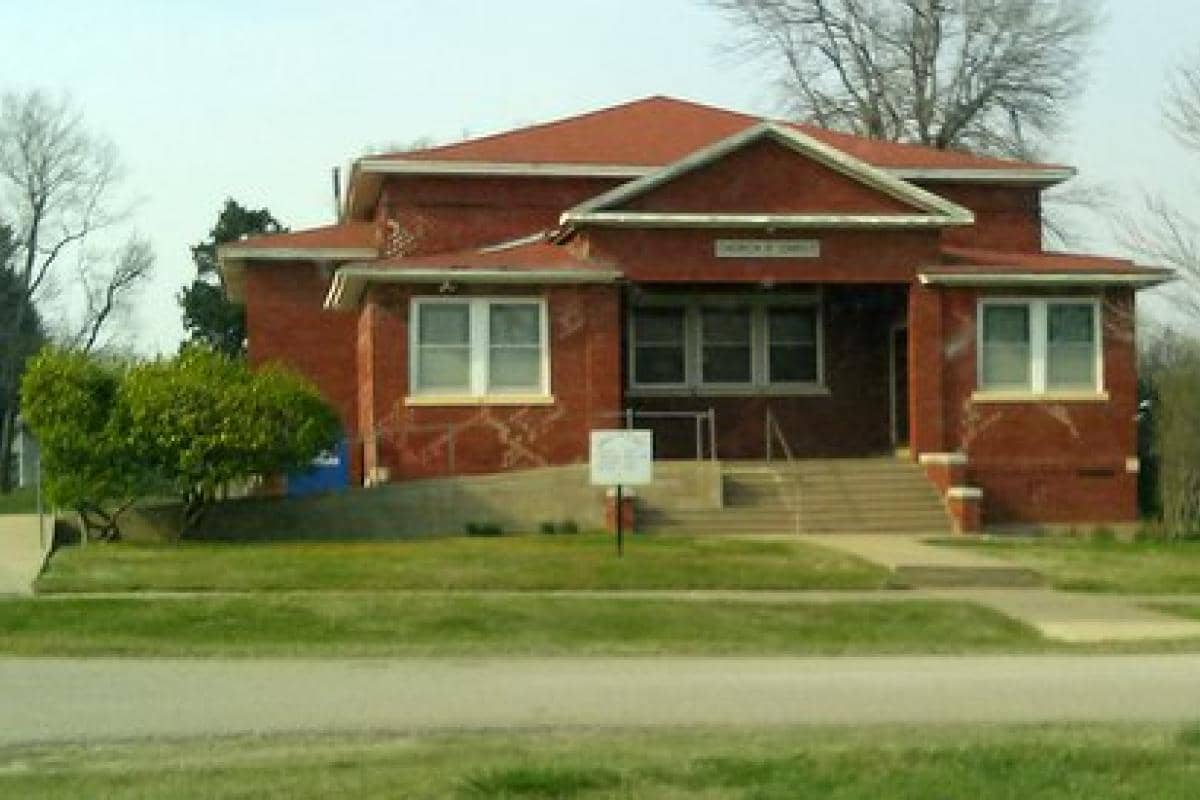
x: 47, y: 700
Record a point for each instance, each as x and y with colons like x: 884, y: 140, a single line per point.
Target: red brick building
x: 482, y: 306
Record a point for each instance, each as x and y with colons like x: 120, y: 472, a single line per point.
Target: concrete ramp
x: 24, y: 543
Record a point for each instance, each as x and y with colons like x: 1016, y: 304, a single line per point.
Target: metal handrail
x: 775, y: 431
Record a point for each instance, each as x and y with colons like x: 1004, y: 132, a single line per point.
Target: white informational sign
x: 622, y: 458
x: 768, y: 248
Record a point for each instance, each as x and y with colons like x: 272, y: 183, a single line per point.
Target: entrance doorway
x: 898, y: 383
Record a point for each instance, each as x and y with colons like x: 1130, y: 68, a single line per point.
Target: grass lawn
x: 329, y: 624
x: 1088, y: 565
x: 19, y: 501
x: 1051, y: 763
x: 584, y: 561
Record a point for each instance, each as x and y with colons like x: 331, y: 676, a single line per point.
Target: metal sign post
x: 622, y: 458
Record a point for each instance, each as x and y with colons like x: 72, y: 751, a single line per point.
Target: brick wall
x: 1046, y: 461
x: 585, y: 381
x: 688, y: 256
x: 767, y: 177
x: 285, y: 323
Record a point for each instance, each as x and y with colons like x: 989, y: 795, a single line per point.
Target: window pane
x: 658, y: 342
x: 515, y: 368
x: 1071, y: 323
x: 725, y: 326
x: 792, y: 345
x: 515, y: 323
x: 1005, y: 351
x: 444, y: 368
x: 444, y: 323
x: 792, y: 325
x: 657, y: 364
x: 725, y: 338
x: 793, y: 363
x: 658, y: 326
x: 1006, y: 324
x: 726, y: 364
x: 1071, y: 346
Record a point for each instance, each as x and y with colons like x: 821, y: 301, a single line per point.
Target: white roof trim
x: 295, y: 253
x: 640, y: 219
x: 1047, y: 176
x: 1020, y: 175
x: 532, y: 169
x: 499, y: 247
x: 1019, y: 278
x: 831, y: 157
x: 345, y: 291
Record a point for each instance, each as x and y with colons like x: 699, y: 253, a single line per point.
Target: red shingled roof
x: 523, y: 257
x: 333, y: 237
x: 656, y: 131
x: 963, y: 260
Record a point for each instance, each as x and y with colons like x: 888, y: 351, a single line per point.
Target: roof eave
x: 232, y: 261
x: 1002, y: 278
x: 349, y: 282
x: 638, y: 219
x: 1042, y: 176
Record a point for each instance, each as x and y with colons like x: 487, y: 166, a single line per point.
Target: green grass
x: 510, y: 562
x: 328, y: 624
x: 19, y: 501
x: 1089, y: 565
x: 983, y: 763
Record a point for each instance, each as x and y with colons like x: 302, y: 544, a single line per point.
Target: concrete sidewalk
x: 918, y: 564
x: 24, y: 544
x: 96, y: 699
x: 1009, y: 588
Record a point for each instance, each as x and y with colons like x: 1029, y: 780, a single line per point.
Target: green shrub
x: 548, y: 528
x: 568, y: 526
x: 1102, y: 534
x: 484, y: 529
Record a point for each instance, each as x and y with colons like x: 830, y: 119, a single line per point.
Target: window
x: 1039, y: 346
x: 792, y: 345
x: 479, y: 347
x: 658, y: 343
x: 725, y: 343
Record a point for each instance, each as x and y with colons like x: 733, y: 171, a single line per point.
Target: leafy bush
x: 186, y: 426
x: 484, y: 529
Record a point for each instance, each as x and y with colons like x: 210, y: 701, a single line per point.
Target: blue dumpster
x: 330, y: 472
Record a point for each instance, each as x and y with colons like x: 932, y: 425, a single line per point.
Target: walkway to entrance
x: 978, y: 578
x: 23, y: 548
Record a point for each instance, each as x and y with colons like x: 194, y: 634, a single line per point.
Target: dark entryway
x: 899, y: 385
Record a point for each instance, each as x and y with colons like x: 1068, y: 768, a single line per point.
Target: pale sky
x: 207, y: 99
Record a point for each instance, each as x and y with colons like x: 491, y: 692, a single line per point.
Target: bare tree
x: 990, y: 76
x: 57, y: 186
x: 1164, y: 234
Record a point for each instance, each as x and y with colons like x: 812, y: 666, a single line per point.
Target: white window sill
x: 480, y: 400
x: 781, y: 390
x: 1039, y: 397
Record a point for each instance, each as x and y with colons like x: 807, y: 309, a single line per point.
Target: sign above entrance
x: 768, y: 248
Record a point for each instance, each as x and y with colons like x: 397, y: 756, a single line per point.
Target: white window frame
x: 479, y: 344
x: 1039, y: 348
x: 692, y: 305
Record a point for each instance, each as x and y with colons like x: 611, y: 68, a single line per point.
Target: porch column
x: 926, y: 349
